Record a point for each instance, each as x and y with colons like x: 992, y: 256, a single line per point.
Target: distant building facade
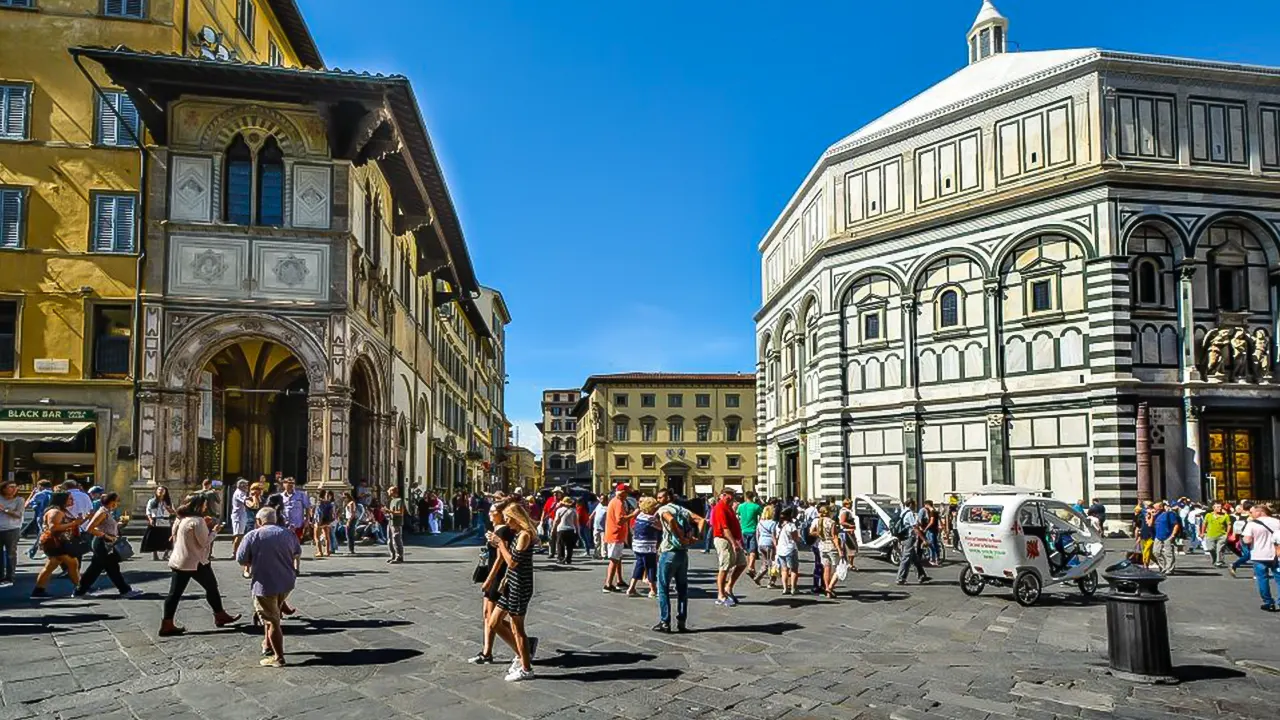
x: 691, y: 432
x: 559, y: 436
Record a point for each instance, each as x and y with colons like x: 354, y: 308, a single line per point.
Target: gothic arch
x: 1009, y: 246
x: 377, y: 382
x: 197, y: 344
x: 916, y: 274
x: 1173, y: 232
x: 808, y: 304
x: 847, y: 283
x: 1262, y: 230
x: 248, y: 119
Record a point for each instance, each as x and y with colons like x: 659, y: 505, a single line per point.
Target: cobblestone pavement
x: 382, y: 641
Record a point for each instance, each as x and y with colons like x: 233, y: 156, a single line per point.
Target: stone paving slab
x: 391, y: 642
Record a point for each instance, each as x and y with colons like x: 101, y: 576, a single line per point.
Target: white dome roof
x: 968, y: 83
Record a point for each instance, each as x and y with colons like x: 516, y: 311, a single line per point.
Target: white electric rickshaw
x: 874, y: 513
x: 1018, y: 538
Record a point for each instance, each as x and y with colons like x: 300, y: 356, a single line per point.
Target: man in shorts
x: 271, y: 551
x: 726, y: 534
x: 749, y: 517
x: 617, y: 522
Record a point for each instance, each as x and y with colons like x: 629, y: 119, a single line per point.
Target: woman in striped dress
x: 507, y: 620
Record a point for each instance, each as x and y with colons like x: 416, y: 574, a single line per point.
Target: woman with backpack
x: 824, y: 533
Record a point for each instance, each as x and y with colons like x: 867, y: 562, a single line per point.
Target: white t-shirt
x: 766, y: 532
x: 786, y: 539
x: 566, y: 519
x: 1262, y: 532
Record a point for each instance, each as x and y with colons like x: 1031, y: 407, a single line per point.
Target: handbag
x: 122, y: 549
x: 842, y: 570
x: 481, y: 571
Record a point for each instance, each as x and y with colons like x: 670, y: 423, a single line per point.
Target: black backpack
x: 898, y: 526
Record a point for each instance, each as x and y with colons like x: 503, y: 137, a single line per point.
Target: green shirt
x: 749, y: 517
x: 396, y: 511
x: 1216, y: 525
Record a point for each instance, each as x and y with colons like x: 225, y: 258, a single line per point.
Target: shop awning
x: 40, y: 431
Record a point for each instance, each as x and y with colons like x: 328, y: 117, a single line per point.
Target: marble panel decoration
x: 291, y: 271
x: 312, y: 196
x: 208, y: 266
x: 191, y: 188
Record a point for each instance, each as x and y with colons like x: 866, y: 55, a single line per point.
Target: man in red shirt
x: 617, y: 521
x: 726, y: 534
x: 548, y: 514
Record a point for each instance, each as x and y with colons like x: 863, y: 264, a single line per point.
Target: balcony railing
x: 111, y: 356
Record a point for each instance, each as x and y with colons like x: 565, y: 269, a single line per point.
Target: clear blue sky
x: 615, y: 163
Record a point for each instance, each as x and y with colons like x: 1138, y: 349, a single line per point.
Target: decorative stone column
x: 911, y: 458
x: 1186, y: 321
x: 996, y: 430
x: 316, y: 410
x: 174, y: 424
x: 910, y: 376
x: 1143, y: 431
x: 339, y: 408
x: 1193, y: 471
x: 993, y: 293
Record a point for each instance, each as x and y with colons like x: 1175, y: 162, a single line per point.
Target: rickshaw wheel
x: 895, y: 553
x: 1026, y: 588
x: 1088, y: 584
x: 971, y: 583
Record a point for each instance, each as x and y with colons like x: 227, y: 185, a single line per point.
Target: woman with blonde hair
x: 767, y: 544
x: 824, y: 532
x: 515, y: 590
x: 645, y: 534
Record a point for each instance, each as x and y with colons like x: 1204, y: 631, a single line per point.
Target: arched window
x: 271, y: 184
x: 1148, y: 281
x: 555, y: 443
x: 237, y: 201
x: 949, y: 309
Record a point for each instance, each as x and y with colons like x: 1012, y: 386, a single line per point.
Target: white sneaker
x: 134, y: 593
x: 6, y: 583
x: 519, y: 674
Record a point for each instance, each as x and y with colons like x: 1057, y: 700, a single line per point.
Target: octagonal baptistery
x: 1054, y: 269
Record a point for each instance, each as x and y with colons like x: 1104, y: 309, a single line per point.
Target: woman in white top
x: 565, y: 525
x: 156, y: 538
x: 788, y: 542
x: 11, y: 508
x: 766, y: 545
x: 192, y: 542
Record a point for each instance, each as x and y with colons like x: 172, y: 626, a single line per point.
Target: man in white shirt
x: 81, y: 503
x: 1261, y: 533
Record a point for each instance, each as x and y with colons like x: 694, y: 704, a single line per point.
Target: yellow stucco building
x: 70, y: 220
x: 691, y: 432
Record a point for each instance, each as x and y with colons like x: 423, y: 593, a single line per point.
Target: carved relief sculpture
x: 1240, y: 356
x: 1262, y: 355
x: 1217, y: 347
x: 1233, y: 355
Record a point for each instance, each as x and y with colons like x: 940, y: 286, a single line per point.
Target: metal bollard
x: 1137, y: 626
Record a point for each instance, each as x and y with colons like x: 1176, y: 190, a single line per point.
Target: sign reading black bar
x: 47, y: 414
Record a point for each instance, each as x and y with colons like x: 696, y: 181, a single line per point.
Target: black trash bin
x: 1137, y: 626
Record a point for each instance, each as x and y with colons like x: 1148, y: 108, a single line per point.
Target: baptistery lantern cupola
x: 989, y: 33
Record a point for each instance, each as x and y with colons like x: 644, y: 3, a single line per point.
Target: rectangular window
x: 571, y: 425
x: 704, y: 462
x: 871, y: 326
x: 675, y: 431
x: 649, y: 461
x: 731, y: 431
x: 136, y: 9
x: 732, y: 400
x: 704, y: 432
x: 18, y: 3
x: 620, y: 432
x: 113, y: 223
x: 8, y: 335
x: 620, y: 400
x: 14, y: 100
x: 555, y: 411
x: 245, y: 17
x: 112, y: 331
x: 733, y: 462
x: 117, y: 120
x: 620, y: 461
x: 1218, y: 133
x: 275, y: 58
x: 648, y: 400
x: 12, y: 205
x: 1145, y: 127
x: 647, y: 432
x: 675, y: 400
x: 1041, y: 295
x: 702, y: 400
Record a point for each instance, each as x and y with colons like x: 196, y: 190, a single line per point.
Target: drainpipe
x: 139, y: 242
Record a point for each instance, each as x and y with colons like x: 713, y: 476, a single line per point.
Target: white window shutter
x: 108, y: 127
x: 10, y: 218
x: 104, y: 223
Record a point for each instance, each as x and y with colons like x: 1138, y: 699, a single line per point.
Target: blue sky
x: 615, y: 163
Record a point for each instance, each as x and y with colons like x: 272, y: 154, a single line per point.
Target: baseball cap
x: 621, y: 486
x: 96, y: 490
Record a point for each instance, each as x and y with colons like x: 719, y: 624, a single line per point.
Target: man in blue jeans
x: 1259, y: 535
x: 680, y: 529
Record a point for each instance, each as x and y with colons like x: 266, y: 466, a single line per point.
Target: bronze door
x: 1232, y: 462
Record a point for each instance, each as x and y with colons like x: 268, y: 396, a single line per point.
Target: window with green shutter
x: 11, y: 226
x: 14, y: 100
x: 113, y: 222
x: 115, y: 111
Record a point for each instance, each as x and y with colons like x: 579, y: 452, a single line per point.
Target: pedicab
x: 874, y: 514
x: 1020, y: 539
